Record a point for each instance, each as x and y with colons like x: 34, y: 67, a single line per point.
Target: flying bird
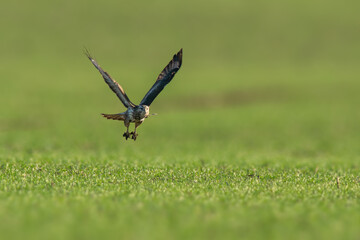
x: 137, y: 113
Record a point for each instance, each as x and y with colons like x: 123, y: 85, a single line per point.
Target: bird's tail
x: 117, y: 116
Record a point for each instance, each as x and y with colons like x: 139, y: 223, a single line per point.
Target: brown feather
x: 118, y: 116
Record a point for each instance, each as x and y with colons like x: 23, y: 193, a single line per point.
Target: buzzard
x: 137, y: 113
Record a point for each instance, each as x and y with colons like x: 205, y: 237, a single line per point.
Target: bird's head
x: 146, y: 109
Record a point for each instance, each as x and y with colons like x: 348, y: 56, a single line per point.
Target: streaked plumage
x: 138, y: 113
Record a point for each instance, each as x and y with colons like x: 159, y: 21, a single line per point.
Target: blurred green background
x: 263, y: 83
x: 288, y: 59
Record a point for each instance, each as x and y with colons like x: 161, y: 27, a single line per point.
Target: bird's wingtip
x: 87, y: 53
x: 179, y: 56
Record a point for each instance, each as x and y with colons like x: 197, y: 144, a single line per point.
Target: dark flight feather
x: 163, y: 79
x: 114, y: 86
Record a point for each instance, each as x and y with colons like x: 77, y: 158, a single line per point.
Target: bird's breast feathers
x: 137, y: 114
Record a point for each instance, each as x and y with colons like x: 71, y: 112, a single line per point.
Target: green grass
x: 257, y: 137
x: 96, y: 198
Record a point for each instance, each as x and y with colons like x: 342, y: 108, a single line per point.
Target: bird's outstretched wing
x: 117, y: 89
x: 164, y: 78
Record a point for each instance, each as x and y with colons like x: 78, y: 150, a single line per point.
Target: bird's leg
x: 134, y: 134
x: 126, y: 134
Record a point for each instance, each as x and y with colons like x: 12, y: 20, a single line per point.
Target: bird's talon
x: 134, y: 136
x: 126, y: 135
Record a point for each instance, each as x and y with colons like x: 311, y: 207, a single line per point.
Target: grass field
x: 257, y: 137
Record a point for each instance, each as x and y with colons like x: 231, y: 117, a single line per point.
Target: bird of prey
x: 137, y: 113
